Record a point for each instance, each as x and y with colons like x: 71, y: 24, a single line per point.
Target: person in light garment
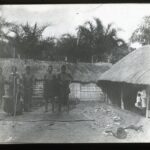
x: 138, y: 100
x: 28, y: 82
x: 2, y: 81
x: 141, y: 101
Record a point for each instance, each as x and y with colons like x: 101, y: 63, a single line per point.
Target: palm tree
x: 26, y: 39
x: 4, y: 28
x: 66, y: 46
x: 98, y: 39
x: 142, y: 33
x: 4, y: 31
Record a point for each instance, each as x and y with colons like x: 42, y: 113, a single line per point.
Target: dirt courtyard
x: 85, y: 123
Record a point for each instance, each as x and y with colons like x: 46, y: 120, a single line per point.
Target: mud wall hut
x: 84, y: 85
x: 126, y: 77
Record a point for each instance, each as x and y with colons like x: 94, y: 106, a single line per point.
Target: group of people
x: 56, y: 87
x: 20, y: 89
x: 19, y: 92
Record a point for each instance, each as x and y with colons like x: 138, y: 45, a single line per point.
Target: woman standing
x: 13, y: 105
x: 141, y: 101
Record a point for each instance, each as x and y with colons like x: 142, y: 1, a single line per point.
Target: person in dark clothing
x: 28, y: 81
x: 55, y: 93
x: 64, y: 90
x: 50, y: 87
x: 55, y: 85
x: 2, y: 80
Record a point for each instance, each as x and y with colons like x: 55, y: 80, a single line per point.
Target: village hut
x: 84, y: 85
x: 126, y: 77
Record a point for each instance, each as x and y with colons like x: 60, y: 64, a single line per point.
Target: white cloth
x: 138, y: 100
x: 141, y: 99
x: 143, y: 94
x: 143, y: 102
x: 136, y: 105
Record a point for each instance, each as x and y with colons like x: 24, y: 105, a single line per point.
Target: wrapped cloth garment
x: 64, y: 82
x: 27, y: 81
x: 51, y: 88
x: 141, y: 99
x: 13, y: 100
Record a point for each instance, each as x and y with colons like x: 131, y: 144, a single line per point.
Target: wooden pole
x: 122, y: 103
x: 147, y: 102
x: 106, y: 97
x: 14, y: 100
x: 14, y: 94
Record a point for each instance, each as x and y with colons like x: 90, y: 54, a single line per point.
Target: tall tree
x: 67, y: 46
x: 4, y: 28
x: 142, y: 33
x: 5, y: 49
x: 98, y: 39
x: 47, y: 46
x: 26, y: 39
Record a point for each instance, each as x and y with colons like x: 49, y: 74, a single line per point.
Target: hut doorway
x: 130, y: 96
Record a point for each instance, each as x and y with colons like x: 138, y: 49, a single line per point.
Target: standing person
x: 49, y: 87
x: 64, y: 81
x: 28, y: 81
x: 138, y: 100
x: 141, y: 101
x: 2, y: 80
x: 14, y: 105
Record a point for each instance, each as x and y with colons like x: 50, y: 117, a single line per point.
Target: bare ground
x: 85, y: 123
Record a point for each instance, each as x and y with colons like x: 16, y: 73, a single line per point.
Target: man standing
x: 64, y: 81
x: 49, y: 87
x: 28, y: 81
x: 13, y: 105
x: 1, y: 85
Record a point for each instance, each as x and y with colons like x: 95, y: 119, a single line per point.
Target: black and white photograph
x: 75, y: 73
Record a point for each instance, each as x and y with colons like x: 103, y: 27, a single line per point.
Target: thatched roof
x: 81, y: 72
x: 133, y: 68
x: 87, y: 72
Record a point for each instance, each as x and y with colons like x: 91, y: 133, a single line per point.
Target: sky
x: 65, y: 18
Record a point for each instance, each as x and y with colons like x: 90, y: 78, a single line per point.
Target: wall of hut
x: 86, y: 92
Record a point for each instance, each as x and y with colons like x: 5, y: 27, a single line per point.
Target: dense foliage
x: 93, y: 42
x: 142, y: 33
